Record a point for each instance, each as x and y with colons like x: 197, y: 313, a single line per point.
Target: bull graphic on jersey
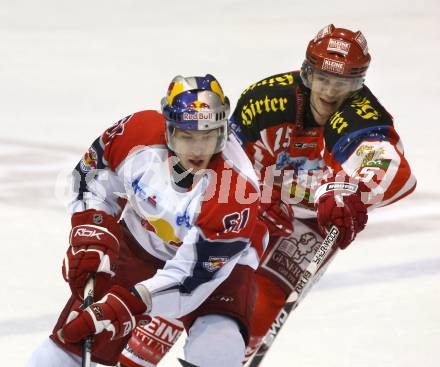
x: 162, y: 229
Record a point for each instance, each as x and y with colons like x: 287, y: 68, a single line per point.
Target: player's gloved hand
x: 115, y: 315
x: 339, y: 202
x: 94, y: 247
x: 277, y: 215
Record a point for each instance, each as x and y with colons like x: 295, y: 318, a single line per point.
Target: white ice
x: 71, y: 68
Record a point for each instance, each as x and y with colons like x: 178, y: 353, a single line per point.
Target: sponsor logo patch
x: 252, y: 109
x: 362, y: 42
x: 339, y: 46
x: 281, y: 80
x: 341, y: 186
x: 300, y: 145
x: 226, y: 299
x: 198, y: 116
x: 97, y: 219
x: 337, y: 122
x: 85, y: 232
x: 291, y: 257
x: 333, y: 66
x: 363, y: 108
x: 322, y: 33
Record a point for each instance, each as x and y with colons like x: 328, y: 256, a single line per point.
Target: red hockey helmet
x: 337, y: 51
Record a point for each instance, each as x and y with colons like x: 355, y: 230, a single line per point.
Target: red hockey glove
x: 277, y: 215
x: 115, y: 315
x: 339, y: 203
x: 94, y: 247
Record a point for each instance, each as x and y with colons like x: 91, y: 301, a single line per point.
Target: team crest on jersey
x: 372, y: 157
x: 214, y: 263
x: 89, y: 161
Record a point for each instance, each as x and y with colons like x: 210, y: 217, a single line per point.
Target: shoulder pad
x: 357, y: 116
x: 267, y: 103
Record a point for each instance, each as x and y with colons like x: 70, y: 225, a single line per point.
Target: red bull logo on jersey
x: 162, y: 229
x: 214, y: 263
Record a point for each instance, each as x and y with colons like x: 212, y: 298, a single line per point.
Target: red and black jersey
x: 274, y: 122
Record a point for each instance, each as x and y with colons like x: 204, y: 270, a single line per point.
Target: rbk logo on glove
x: 87, y: 231
x: 93, y: 250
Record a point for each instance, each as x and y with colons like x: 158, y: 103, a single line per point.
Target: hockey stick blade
x: 185, y: 363
x: 292, y: 302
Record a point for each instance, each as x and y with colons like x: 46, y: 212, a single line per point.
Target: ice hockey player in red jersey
x: 164, y: 216
x: 331, y: 151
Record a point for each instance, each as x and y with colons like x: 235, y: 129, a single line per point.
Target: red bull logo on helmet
x: 198, y: 116
x: 198, y: 105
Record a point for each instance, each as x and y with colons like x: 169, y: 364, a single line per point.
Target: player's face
x: 195, y: 148
x: 327, y: 94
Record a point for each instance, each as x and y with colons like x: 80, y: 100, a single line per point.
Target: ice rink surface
x: 69, y: 69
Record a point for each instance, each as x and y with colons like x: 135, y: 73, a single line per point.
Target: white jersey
x: 201, y: 230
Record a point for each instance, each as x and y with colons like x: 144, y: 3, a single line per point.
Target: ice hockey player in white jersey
x: 165, y: 219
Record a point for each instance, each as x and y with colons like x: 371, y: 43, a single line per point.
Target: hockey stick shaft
x: 87, y: 344
x: 293, y: 300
